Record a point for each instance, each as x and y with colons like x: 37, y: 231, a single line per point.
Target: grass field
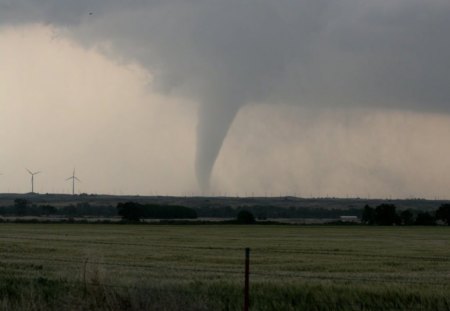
x: 200, y: 267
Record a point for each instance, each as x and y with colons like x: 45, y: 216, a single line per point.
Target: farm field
x: 200, y: 267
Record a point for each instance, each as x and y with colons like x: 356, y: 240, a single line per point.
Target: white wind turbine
x: 73, y: 177
x: 32, y: 179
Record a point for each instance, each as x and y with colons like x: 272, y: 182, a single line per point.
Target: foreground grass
x: 126, y: 267
x: 43, y: 294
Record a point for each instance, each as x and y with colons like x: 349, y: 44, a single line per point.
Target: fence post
x: 247, y: 285
x: 84, y: 275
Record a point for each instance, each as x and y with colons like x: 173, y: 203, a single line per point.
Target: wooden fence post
x: 84, y: 275
x: 247, y: 285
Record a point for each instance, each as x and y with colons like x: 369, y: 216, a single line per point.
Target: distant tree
x: 245, y: 217
x: 425, y: 219
x: 69, y: 210
x: 385, y: 215
x: 130, y: 211
x: 407, y: 217
x: 20, y: 206
x: 368, y: 216
x: 48, y: 209
x: 443, y: 213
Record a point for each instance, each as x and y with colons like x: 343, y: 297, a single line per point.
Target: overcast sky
x: 307, y: 98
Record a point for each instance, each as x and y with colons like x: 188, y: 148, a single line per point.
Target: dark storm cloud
x: 226, y: 53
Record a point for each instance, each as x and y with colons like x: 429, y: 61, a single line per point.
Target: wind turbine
x: 73, y: 177
x: 32, y: 179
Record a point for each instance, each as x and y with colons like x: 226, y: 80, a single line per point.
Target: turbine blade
x: 76, y: 178
x: 69, y: 178
x: 29, y: 171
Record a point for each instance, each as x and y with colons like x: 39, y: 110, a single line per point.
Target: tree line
x: 384, y: 214
x: 387, y: 215
x: 264, y: 211
x: 132, y: 211
x: 22, y: 207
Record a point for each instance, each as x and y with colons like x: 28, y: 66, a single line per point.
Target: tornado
x: 213, y: 124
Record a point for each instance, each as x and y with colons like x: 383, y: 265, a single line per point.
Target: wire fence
x: 222, y: 248
x: 258, y: 270
x: 236, y: 270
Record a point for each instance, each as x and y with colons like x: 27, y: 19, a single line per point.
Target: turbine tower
x: 32, y: 179
x: 73, y: 177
